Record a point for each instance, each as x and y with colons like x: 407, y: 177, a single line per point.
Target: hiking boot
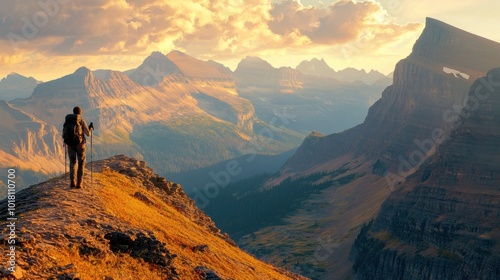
x: 78, y: 187
x: 72, y: 186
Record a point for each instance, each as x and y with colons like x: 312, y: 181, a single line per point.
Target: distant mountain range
x: 342, y: 179
x: 312, y: 103
x: 17, y: 86
x: 196, y: 113
x: 159, y: 122
x: 318, y: 67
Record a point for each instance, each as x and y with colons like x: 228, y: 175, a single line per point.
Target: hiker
x: 74, y: 131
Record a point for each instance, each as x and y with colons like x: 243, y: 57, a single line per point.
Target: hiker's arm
x: 85, y: 128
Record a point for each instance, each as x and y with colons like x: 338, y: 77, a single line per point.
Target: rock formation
x: 443, y: 222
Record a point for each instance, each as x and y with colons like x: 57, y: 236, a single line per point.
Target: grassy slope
x: 169, y: 226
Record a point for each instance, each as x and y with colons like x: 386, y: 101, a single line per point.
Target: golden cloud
x: 93, y: 27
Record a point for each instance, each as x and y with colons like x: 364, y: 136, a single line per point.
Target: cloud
x: 216, y: 29
x: 102, y: 27
x: 341, y: 22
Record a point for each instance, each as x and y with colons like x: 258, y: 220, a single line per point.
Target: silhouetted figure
x: 74, y: 131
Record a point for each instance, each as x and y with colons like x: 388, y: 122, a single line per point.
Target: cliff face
x: 443, y: 222
x: 128, y: 224
x: 404, y: 127
x: 28, y: 142
x: 422, y: 101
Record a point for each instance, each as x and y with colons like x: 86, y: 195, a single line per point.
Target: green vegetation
x: 447, y: 254
x: 244, y: 207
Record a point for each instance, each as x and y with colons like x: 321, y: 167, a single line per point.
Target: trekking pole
x: 91, y: 154
x: 65, y: 156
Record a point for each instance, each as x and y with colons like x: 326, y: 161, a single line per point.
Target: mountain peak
x: 177, y: 52
x: 17, y: 77
x: 128, y: 216
x: 253, y: 65
x: 157, y: 55
x: 82, y: 71
x: 195, y: 68
x: 14, y: 74
x: 153, y: 69
x: 256, y: 62
x: 462, y: 174
x: 157, y: 66
x: 317, y: 67
x: 16, y: 85
x: 442, y: 45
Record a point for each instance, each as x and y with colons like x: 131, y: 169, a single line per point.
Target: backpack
x: 72, y: 130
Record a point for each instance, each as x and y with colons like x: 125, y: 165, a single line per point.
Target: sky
x: 48, y: 39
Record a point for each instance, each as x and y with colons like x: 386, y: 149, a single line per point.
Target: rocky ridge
x: 127, y: 223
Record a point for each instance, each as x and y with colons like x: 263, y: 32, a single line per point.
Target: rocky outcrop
x: 170, y: 192
x: 443, y: 222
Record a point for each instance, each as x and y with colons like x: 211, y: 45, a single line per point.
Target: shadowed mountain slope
x: 443, y: 222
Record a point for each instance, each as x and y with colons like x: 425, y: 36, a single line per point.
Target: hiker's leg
x: 72, y: 166
x: 81, y: 165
